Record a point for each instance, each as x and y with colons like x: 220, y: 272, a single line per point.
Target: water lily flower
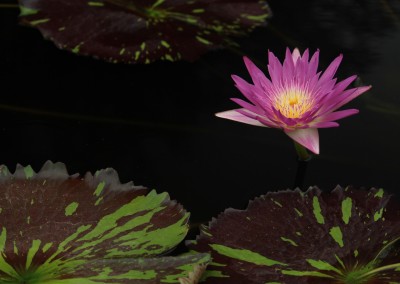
x: 297, y: 98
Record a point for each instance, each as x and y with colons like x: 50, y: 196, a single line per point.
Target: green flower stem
x: 304, y: 157
x: 302, y: 152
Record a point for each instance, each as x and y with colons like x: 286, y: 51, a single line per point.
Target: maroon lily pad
x: 344, y: 236
x: 142, y: 31
x: 61, y: 228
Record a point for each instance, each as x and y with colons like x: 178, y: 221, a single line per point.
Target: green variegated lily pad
x: 56, y: 228
x: 344, y: 236
x: 142, y: 31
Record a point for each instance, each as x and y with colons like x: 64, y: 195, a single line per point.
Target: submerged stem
x: 304, y: 157
x: 300, y: 174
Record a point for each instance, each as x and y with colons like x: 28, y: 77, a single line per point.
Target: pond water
x: 155, y: 123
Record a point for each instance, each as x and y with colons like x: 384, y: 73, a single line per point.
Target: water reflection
x: 354, y: 28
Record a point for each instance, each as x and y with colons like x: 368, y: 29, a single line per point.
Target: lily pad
x: 142, y: 31
x: 344, y: 236
x: 61, y: 228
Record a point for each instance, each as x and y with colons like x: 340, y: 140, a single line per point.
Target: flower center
x: 293, y: 103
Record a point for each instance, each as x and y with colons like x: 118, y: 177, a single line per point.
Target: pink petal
x: 267, y: 122
x: 306, y: 137
x: 254, y: 94
x: 327, y: 124
x: 248, y: 106
x: 313, y: 66
x: 301, y: 66
x: 261, y: 82
x: 284, y: 120
x: 244, y: 87
x: 274, y: 68
x: 331, y: 70
x: 325, y: 87
x: 335, y: 96
x: 236, y: 116
x: 305, y: 56
x: 288, y: 65
x: 332, y: 103
x: 312, y: 82
x: 342, y: 85
x: 256, y: 74
x: 263, y: 119
x: 295, y: 55
x: 350, y: 95
x: 337, y: 115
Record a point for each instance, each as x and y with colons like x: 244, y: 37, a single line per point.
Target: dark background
x: 155, y: 123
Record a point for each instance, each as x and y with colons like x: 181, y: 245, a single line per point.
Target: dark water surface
x: 155, y: 123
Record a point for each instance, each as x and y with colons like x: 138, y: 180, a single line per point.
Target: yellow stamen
x: 293, y: 103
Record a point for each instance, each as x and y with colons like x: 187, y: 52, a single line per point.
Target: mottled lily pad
x: 142, y: 30
x: 344, y: 236
x: 57, y: 228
